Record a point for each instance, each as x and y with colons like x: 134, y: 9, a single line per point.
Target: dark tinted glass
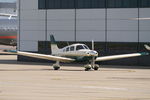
x: 98, y: 3
x: 111, y: 3
x: 53, y: 4
x: 83, y: 4
x: 72, y: 48
x: 79, y: 47
x: 42, y: 4
x: 144, y: 3
x: 130, y: 3
x: 67, y: 49
x: 60, y: 4
x: 90, y: 4
x: 50, y: 4
x: 122, y: 3
x: 67, y: 4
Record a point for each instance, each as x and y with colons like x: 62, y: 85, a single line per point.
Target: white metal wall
x: 32, y: 25
x: 90, y: 24
x: 120, y: 26
x: 61, y: 23
x: 144, y: 25
x: 112, y: 25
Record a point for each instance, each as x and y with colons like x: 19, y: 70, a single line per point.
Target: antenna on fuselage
x: 93, y: 58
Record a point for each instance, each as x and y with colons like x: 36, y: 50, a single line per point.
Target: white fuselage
x: 76, y: 51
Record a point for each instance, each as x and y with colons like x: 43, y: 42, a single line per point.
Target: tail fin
x: 54, y: 47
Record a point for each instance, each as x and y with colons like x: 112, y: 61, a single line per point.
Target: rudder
x: 54, y: 47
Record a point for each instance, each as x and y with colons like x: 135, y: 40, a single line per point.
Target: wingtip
x: 147, y: 47
x: 144, y: 53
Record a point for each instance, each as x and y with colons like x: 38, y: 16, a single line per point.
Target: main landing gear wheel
x: 56, y: 67
x: 96, y: 67
x: 88, y: 67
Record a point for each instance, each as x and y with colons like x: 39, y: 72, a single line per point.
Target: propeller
x: 92, y: 44
x: 93, y: 58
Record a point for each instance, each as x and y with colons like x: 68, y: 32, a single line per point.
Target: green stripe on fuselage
x: 80, y: 58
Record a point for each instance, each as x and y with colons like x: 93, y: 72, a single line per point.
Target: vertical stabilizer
x: 54, y: 47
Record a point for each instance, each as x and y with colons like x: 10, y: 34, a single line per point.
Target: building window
x: 85, y: 4
x: 71, y: 4
x: 60, y: 4
x: 90, y: 4
x: 122, y: 3
x: 144, y: 3
x: 53, y: 4
x: 41, y: 4
x: 98, y: 4
x: 68, y: 4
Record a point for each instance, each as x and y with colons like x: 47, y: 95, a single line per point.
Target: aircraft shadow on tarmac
x: 20, y: 62
x: 37, y: 70
x: 14, y: 62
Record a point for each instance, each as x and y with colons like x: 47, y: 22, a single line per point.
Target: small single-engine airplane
x: 79, y: 53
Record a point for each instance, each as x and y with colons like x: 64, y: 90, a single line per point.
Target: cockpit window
x: 64, y: 50
x: 86, y: 47
x: 79, y: 47
x: 72, y: 48
x: 67, y: 49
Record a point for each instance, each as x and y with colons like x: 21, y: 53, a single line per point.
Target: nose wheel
x: 96, y: 67
x: 88, y: 67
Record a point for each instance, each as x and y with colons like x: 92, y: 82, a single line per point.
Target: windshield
x: 86, y: 47
x: 79, y: 47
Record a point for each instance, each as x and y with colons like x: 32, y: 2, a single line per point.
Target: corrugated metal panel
x: 7, y: 5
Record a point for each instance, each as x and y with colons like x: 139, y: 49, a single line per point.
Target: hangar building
x: 6, y: 7
x: 115, y: 26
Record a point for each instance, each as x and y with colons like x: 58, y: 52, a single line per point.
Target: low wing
x: 8, y: 15
x: 47, y: 57
x: 113, y: 57
x: 9, y: 53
